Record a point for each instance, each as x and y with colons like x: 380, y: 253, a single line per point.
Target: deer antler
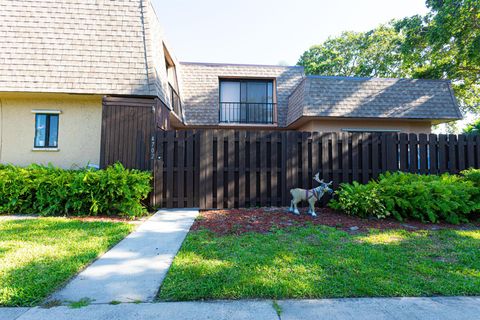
x: 317, y: 178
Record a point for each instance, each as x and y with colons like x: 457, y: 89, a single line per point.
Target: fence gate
x: 227, y: 168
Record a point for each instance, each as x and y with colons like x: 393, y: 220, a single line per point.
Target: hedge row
x: 47, y: 190
x: 428, y: 198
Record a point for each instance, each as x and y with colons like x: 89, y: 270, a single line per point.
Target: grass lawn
x: 39, y: 255
x: 320, y: 262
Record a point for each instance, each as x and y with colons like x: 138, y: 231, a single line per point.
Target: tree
x: 372, y: 54
x: 473, y: 128
x: 444, y: 44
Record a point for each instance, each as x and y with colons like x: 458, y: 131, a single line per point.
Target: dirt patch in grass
x: 263, y: 220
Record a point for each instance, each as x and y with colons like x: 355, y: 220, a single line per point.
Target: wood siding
x: 128, y: 131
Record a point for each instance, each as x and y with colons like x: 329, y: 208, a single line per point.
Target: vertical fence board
x: 190, y: 173
x: 365, y: 156
x: 315, y: 153
x: 201, y: 136
x: 220, y: 168
x: 253, y: 168
x: 208, y: 169
x: 231, y: 169
x: 477, y: 146
x: 461, y: 152
x: 452, y: 153
x: 442, y: 153
x: 355, y: 155
x: 392, y: 152
x: 305, y: 173
x: 433, y: 153
x: 344, y: 137
x: 180, y: 169
x: 375, y: 154
x: 274, y: 169
x: 292, y: 163
x: 169, y: 168
x: 470, y: 151
x: 285, y: 173
x: 335, y: 160
x: 413, y: 163
x: 325, y: 157
x: 158, y: 173
x: 241, y: 169
x: 263, y: 168
x: 403, y: 151
x: 422, y: 145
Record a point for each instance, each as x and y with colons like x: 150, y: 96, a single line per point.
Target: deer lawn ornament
x: 311, y: 196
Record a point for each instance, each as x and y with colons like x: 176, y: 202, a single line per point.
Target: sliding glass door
x: 246, y: 101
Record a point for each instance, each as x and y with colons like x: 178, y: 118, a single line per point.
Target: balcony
x: 248, y: 113
x: 175, y: 102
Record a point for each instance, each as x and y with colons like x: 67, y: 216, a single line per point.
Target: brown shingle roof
x: 78, y: 46
x: 352, y: 97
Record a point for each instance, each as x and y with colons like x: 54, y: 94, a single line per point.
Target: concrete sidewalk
x: 441, y: 308
x: 134, y: 269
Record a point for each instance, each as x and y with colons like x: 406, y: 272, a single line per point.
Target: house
x: 72, y: 72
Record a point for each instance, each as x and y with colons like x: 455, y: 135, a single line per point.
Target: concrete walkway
x: 134, y: 269
x: 445, y: 308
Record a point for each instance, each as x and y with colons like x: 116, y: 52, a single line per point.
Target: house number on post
x: 152, y: 148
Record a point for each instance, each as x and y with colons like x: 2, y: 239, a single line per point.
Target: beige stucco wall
x: 78, y: 131
x: 336, y: 125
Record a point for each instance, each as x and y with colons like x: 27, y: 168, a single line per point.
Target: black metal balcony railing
x: 247, y: 112
x: 176, y: 104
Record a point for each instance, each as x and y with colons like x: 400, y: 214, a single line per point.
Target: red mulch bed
x: 262, y: 220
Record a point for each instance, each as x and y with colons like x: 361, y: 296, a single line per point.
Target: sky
x: 268, y: 31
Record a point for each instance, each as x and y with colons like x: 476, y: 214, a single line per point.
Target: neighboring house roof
x: 200, y: 94
x: 78, y: 46
x: 352, y: 97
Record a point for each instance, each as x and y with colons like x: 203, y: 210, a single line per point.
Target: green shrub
x: 428, y: 198
x: 473, y: 175
x: 361, y: 200
x: 54, y: 191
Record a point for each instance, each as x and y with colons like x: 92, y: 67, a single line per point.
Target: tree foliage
x: 444, y: 44
x: 371, y: 54
x: 473, y: 128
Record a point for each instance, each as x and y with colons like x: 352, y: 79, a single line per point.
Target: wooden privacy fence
x: 227, y: 168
